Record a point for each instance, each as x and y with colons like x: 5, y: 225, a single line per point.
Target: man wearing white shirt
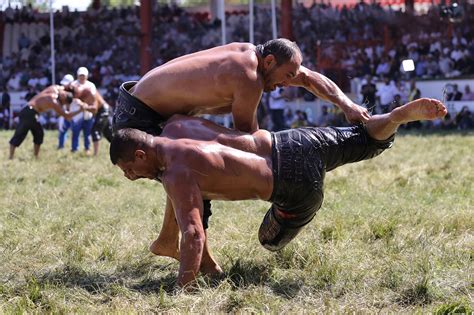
x: 85, y: 121
x: 446, y: 64
x: 386, y: 94
x: 276, y: 103
x: 457, y: 53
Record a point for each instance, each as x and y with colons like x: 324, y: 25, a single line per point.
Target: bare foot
x: 165, y: 248
x: 211, y: 269
x: 420, y: 109
x: 209, y: 265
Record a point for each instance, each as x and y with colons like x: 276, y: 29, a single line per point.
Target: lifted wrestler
x: 196, y: 159
x: 53, y: 97
x: 224, y: 79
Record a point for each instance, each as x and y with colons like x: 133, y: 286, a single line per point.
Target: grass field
x: 394, y: 234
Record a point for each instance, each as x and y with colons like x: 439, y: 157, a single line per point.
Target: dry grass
x: 394, y: 234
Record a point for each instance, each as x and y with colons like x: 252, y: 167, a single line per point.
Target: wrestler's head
x: 131, y: 150
x: 281, y: 60
x: 65, y: 97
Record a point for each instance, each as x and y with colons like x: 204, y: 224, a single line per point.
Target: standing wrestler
x: 53, y: 97
x: 224, y: 79
x: 196, y: 159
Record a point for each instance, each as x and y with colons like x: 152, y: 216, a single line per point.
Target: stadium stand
x: 342, y: 42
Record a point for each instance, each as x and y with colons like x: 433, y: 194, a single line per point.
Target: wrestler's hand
x: 355, y: 113
x: 80, y: 103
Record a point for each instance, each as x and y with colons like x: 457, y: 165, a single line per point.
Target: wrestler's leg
x: 209, y: 265
x: 167, y: 243
x: 12, y: 151
x: 381, y: 127
x: 36, y: 149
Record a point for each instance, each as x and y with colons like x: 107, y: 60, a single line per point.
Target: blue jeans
x: 86, y: 127
x: 63, y: 133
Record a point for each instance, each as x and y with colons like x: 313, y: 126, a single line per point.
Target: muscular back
x: 203, y: 82
x: 46, y: 99
x: 180, y: 127
x: 227, y: 164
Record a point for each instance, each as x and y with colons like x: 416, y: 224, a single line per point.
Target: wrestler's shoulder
x: 181, y: 156
x: 244, y: 66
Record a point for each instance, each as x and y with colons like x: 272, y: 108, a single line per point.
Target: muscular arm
x: 324, y: 88
x: 90, y: 101
x: 66, y: 114
x: 244, y: 107
x: 99, y: 100
x: 184, y: 193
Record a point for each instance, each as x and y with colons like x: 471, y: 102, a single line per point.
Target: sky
x: 80, y: 5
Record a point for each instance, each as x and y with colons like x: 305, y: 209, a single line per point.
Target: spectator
x: 326, y: 118
x: 301, y: 120
x: 414, y: 93
x: 289, y: 117
x: 432, y: 67
x: 4, y: 118
x: 448, y: 122
x: 276, y: 103
x: 397, y: 102
x: 85, y: 121
x: 468, y: 95
x: 23, y: 42
x: 454, y: 94
x: 421, y: 66
x: 464, y: 119
x: 5, y: 109
x: 386, y: 94
x: 6, y: 99
x: 368, y: 92
x: 446, y: 65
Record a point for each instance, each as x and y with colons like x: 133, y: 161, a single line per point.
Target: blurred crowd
x: 366, y: 41
x: 371, y: 40
x: 278, y: 113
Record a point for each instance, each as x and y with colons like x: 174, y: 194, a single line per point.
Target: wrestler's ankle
x: 164, y: 248
x: 211, y: 268
x: 396, y: 116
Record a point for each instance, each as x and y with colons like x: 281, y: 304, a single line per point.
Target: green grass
x: 395, y: 234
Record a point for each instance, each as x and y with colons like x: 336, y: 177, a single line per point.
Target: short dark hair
x: 124, y: 143
x: 69, y: 97
x: 281, y: 48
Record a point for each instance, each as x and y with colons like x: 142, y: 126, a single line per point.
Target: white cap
x: 67, y: 79
x: 82, y: 71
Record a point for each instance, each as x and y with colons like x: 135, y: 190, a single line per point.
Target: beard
x: 268, y: 85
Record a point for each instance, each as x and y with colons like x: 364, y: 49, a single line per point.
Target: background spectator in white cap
x: 85, y: 121
x: 63, y: 124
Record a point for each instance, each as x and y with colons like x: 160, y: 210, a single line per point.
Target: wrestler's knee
x: 274, y: 235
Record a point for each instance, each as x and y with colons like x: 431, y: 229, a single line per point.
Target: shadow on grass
x: 243, y: 274
x: 129, y: 278
x: 99, y: 283
x: 288, y: 288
